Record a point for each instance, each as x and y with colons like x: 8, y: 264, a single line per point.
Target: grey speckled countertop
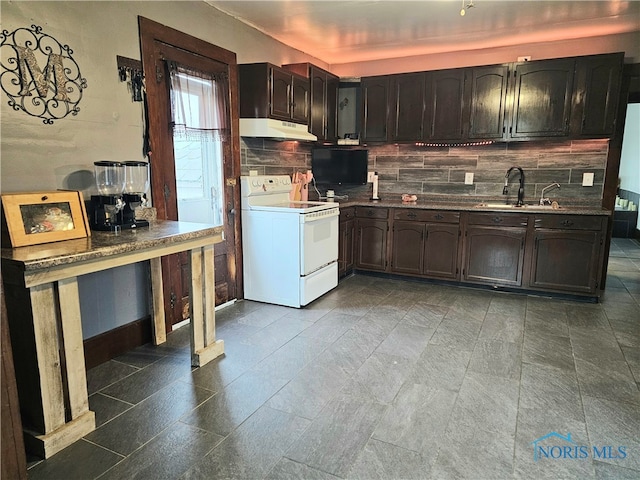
x: 470, y: 206
x: 106, y: 244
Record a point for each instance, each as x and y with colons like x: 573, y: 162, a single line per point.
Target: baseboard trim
x: 104, y: 347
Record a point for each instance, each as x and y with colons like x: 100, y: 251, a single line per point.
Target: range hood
x: 275, y: 129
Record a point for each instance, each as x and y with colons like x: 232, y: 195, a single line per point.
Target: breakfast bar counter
x: 43, y: 307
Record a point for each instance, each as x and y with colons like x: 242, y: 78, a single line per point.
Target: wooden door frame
x: 159, y: 119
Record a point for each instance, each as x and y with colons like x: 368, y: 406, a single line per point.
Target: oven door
x: 318, y: 240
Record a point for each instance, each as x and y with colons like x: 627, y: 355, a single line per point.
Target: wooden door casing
x: 160, y: 43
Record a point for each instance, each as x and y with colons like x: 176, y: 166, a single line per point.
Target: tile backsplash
x: 440, y: 171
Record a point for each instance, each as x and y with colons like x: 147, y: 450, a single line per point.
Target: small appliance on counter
x: 121, y: 188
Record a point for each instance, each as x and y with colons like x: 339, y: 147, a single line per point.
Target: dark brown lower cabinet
x: 408, y: 247
x: 346, y: 241
x: 441, y: 251
x: 371, y: 244
x: 425, y: 249
x: 494, y: 247
x: 494, y: 255
x: 567, y: 253
x: 558, y: 253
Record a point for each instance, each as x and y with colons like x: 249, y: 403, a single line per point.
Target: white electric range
x: 290, y: 249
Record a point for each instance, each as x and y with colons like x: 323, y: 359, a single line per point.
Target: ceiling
x: 360, y: 30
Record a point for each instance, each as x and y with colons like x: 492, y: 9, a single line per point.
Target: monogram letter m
x: 27, y: 63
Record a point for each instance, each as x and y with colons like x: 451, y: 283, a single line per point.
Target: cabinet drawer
x: 498, y: 219
x: 419, y: 215
x: 347, y: 213
x: 569, y: 222
x: 372, y: 212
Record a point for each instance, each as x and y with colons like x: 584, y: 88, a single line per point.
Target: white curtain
x: 200, y: 121
x: 199, y: 104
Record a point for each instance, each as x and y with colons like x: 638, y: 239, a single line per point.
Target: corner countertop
x: 488, y: 205
x: 99, y: 245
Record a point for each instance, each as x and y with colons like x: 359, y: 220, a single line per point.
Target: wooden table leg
x: 59, y: 308
x: 159, y: 327
x: 204, y: 346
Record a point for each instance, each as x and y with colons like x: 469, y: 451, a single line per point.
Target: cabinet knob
x: 497, y: 219
x: 370, y: 213
x: 566, y: 223
x: 411, y: 215
x: 437, y: 216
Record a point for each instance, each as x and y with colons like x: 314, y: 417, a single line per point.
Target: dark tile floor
x: 381, y: 379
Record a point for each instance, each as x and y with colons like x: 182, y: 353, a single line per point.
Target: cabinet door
x: 596, y: 95
x: 445, y: 105
x: 566, y: 260
x: 493, y: 255
x: 407, y: 247
x: 375, y: 93
x: 318, y: 103
x: 440, y: 257
x: 371, y: 244
x: 280, y: 94
x: 488, y: 97
x: 331, y: 127
x: 406, y: 110
x: 300, y: 99
x: 345, y: 247
x: 323, y: 118
x: 542, y: 99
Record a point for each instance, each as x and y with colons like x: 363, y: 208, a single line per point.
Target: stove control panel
x: 264, y: 184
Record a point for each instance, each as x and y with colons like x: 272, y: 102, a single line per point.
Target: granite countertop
x: 489, y: 205
x: 105, y: 244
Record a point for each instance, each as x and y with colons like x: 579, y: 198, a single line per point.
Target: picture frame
x: 34, y: 218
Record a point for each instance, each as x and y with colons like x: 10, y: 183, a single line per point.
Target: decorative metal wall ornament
x: 50, y: 94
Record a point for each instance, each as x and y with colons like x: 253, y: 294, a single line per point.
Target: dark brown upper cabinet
x: 323, y: 116
x: 406, y: 109
x: 573, y: 97
x: 488, y: 101
x: 268, y: 91
x: 375, y: 108
x: 446, y: 106
x: 541, y: 99
x: 595, y: 94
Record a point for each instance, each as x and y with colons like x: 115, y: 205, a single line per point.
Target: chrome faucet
x: 546, y: 201
x: 505, y: 190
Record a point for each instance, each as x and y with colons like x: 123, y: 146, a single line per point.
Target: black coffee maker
x: 121, y: 187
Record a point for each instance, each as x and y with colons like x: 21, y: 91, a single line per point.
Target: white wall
x: 630, y: 160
